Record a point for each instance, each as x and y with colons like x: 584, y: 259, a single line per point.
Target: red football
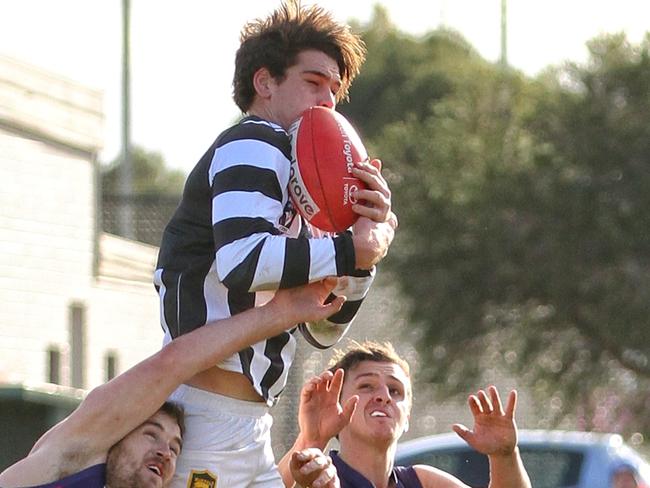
x: 324, y: 146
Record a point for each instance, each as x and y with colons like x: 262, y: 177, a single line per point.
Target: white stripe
x: 272, y: 125
x: 323, y: 258
x: 268, y: 272
x: 259, y: 364
x: 178, y: 305
x: 352, y: 287
x: 245, y: 204
x: 157, y: 280
x: 229, y: 256
x: 250, y: 152
x: 215, y: 295
x: 288, y: 353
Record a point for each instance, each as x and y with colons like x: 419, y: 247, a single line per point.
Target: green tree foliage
x: 150, y: 175
x: 523, y: 240
x: 156, y: 191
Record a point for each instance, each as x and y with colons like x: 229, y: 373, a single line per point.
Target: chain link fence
x: 147, y: 215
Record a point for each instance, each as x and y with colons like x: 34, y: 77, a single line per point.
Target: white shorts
x: 227, y: 443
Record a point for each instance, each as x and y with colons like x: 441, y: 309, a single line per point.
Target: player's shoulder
x: 254, y: 128
x: 431, y: 477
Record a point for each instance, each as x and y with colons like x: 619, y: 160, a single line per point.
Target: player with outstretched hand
x: 365, y: 398
x: 123, y: 435
x: 235, y: 239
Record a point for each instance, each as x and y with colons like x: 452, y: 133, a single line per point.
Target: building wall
x: 47, y: 240
x: 52, y: 257
x: 124, y: 311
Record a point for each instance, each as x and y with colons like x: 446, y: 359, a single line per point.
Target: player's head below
x: 382, y: 380
x: 146, y: 457
x: 297, y: 57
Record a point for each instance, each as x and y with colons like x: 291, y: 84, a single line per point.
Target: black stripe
x: 246, y: 357
x: 347, y: 312
x: 241, y: 276
x: 297, y: 261
x: 231, y: 230
x: 240, y: 302
x: 193, y: 311
x: 345, y: 257
x: 272, y: 351
x: 247, y: 178
x: 237, y: 303
x: 310, y: 338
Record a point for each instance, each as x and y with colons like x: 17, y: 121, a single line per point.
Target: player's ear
x: 262, y: 81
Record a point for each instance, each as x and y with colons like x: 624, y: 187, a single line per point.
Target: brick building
x: 78, y: 305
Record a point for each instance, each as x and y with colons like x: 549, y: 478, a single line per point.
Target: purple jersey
x: 92, y: 477
x: 402, y: 476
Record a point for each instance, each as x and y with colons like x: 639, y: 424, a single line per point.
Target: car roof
x: 527, y: 437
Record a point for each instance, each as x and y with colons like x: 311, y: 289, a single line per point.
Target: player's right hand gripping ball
x: 324, y: 148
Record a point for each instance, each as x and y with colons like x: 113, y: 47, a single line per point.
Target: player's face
x: 147, y: 456
x: 384, y: 401
x: 313, y: 81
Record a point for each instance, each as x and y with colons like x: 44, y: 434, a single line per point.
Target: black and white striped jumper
x: 234, y: 239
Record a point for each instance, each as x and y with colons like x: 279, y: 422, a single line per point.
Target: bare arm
x: 111, y: 411
x: 320, y: 417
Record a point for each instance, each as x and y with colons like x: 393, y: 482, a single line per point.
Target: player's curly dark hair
x: 275, y: 41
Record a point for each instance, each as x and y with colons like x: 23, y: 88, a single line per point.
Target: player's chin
x: 148, y: 479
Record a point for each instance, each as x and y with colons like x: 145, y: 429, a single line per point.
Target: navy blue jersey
x: 235, y: 239
x: 402, y: 476
x: 92, y: 477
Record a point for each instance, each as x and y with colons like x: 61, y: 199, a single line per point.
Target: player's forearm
x: 142, y: 389
x: 210, y: 344
x: 271, y: 262
x: 507, y: 471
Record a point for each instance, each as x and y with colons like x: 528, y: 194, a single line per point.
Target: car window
x: 467, y: 465
x: 546, y: 468
x: 552, y: 468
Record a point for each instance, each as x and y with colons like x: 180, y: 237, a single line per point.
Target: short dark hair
x: 275, y: 42
x: 175, y: 411
x: 368, y: 351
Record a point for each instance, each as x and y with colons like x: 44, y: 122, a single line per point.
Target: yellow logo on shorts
x: 202, y: 479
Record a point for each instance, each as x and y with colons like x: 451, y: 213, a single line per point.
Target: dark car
x: 553, y: 459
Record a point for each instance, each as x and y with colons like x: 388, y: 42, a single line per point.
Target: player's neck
x: 374, y: 462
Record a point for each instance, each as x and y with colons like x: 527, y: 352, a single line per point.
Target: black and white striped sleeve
x: 326, y: 333
x: 249, y: 174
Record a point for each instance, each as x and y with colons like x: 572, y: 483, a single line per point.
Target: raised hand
x: 495, y: 430
x: 320, y: 415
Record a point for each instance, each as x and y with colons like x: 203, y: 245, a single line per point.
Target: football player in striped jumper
x: 235, y: 239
